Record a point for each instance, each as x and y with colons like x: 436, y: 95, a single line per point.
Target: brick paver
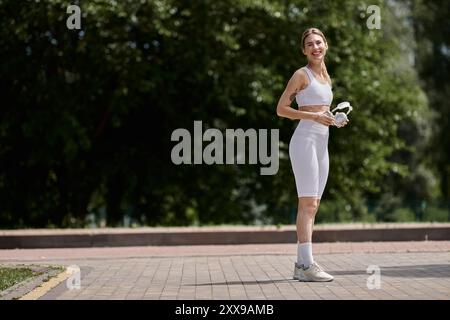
x: 409, y: 270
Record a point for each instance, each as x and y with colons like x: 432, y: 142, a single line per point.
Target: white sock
x: 305, y: 253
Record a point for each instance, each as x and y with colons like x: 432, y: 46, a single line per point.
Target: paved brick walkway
x: 409, y: 270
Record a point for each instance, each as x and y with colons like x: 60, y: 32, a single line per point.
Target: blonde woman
x: 310, y: 86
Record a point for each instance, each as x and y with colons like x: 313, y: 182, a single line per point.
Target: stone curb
x: 79, y: 238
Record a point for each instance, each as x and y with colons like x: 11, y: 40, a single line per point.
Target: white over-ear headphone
x: 341, y: 117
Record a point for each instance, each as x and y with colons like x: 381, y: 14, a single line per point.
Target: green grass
x: 12, y: 276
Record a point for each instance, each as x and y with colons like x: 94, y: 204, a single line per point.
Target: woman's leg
x: 307, y: 209
x: 311, y: 173
x: 314, y: 218
x: 305, y: 220
x: 306, y: 269
x: 324, y: 167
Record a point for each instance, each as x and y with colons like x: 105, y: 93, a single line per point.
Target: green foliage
x: 89, y: 114
x: 436, y: 214
x: 341, y: 210
x: 431, y: 30
x: 402, y: 215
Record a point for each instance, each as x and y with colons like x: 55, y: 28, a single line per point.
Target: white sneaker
x: 297, y: 269
x: 314, y: 273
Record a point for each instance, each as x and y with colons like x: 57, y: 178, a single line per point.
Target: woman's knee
x: 309, y: 206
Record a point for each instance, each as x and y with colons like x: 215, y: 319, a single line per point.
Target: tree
x: 91, y: 112
x: 431, y: 29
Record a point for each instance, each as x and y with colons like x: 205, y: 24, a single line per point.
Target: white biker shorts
x: 308, y: 151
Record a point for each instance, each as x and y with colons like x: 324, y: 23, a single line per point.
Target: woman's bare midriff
x: 314, y: 108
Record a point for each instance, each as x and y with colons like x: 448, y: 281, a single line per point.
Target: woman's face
x: 315, y: 47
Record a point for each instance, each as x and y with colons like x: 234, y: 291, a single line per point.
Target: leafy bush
x: 436, y: 214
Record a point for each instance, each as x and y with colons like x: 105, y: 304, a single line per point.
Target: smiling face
x: 314, y: 47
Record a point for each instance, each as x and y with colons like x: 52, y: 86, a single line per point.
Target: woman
x: 310, y: 86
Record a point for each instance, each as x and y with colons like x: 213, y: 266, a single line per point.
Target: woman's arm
x: 297, y: 82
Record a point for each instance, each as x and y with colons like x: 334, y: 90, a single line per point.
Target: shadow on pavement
x: 239, y: 282
x: 406, y: 271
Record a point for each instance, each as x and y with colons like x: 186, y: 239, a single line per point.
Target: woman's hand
x: 324, y: 118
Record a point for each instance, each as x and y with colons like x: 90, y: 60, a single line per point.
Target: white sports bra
x: 315, y: 93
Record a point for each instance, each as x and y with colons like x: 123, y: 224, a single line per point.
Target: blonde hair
x: 320, y: 33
